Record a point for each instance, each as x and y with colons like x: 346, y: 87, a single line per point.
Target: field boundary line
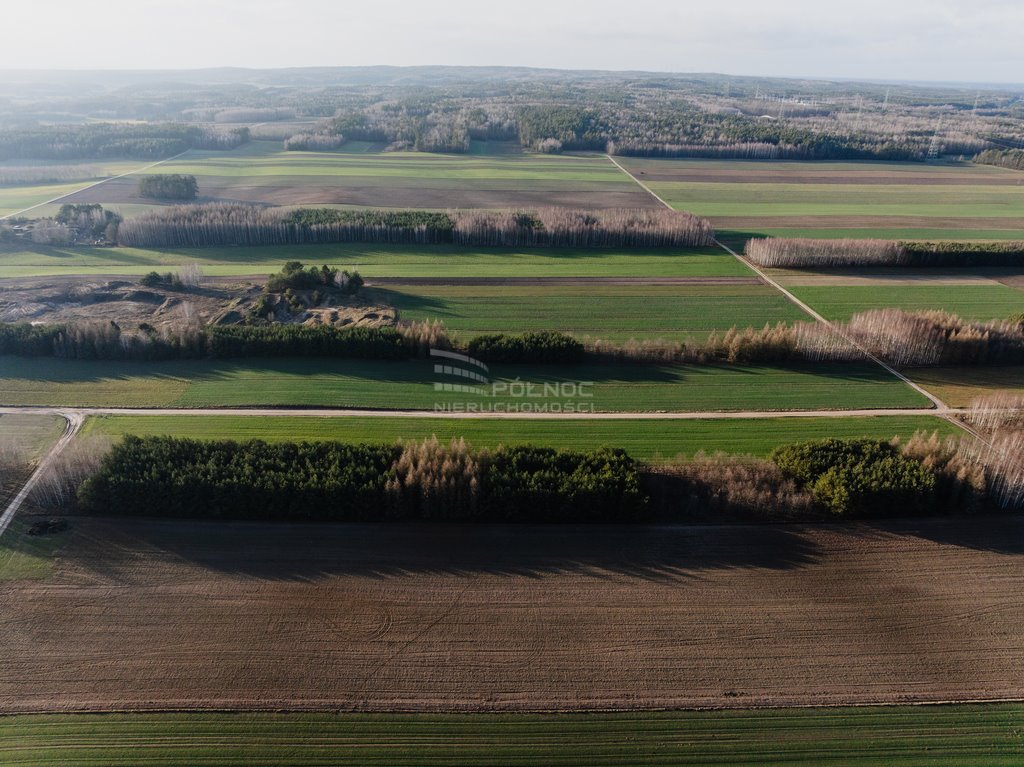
x: 638, y: 181
x: 74, y: 423
x: 93, y: 185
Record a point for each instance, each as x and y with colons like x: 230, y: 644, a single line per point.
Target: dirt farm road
x: 74, y: 423
x: 695, y: 415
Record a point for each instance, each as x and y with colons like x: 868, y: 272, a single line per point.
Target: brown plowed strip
x: 168, y: 614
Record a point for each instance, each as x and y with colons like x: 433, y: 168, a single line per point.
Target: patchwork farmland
x: 263, y: 173
x: 830, y: 199
x: 281, y: 528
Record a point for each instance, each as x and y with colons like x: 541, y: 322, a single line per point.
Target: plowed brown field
x: 168, y: 614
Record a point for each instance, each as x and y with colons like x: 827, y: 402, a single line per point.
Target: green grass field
x: 854, y: 200
x: 649, y: 440
x: 973, y: 302
x: 737, y: 238
x: 16, y: 197
x: 612, y: 312
x: 841, y: 199
x: 28, y: 557
x: 380, y: 261
x: 396, y: 385
x: 910, y: 736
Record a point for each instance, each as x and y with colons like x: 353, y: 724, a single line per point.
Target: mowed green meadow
x: 907, y: 736
x: 612, y: 312
x: 389, y: 385
x: 985, y: 301
x: 440, y: 261
x: 648, y: 440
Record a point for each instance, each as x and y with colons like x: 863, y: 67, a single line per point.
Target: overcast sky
x: 953, y: 40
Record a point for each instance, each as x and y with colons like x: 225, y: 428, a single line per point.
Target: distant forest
x: 446, y: 109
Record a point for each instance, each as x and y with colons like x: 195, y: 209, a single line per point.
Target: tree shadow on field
x: 312, y: 551
x: 994, y: 533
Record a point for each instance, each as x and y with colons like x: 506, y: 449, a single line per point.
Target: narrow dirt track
x: 74, y: 423
x: 695, y: 415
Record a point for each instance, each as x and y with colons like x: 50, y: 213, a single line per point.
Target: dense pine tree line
x: 331, y: 481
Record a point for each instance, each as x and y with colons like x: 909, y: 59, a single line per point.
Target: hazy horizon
x: 947, y: 41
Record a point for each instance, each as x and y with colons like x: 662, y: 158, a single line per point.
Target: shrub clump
x: 169, y: 186
x: 544, y: 347
x: 858, y: 477
x: 295, y: 276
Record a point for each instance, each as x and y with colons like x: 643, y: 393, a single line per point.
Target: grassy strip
x: 953, y: 736
x: 380, y: 261
x: 973, y: 302
x: 959, y: 386
x: 769, y: 227
x: 410, y: 384
x: 868, y: 200
x: 613, y: 312
x: 28, y: 557
x: 34, y: 432
x: 649, y: 440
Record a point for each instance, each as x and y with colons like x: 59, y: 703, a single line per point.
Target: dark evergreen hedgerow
x: 106, y: 341
x: 541, y: 347
x: 167, y: 477
x: 330, y: 481
x: 305, y: 341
